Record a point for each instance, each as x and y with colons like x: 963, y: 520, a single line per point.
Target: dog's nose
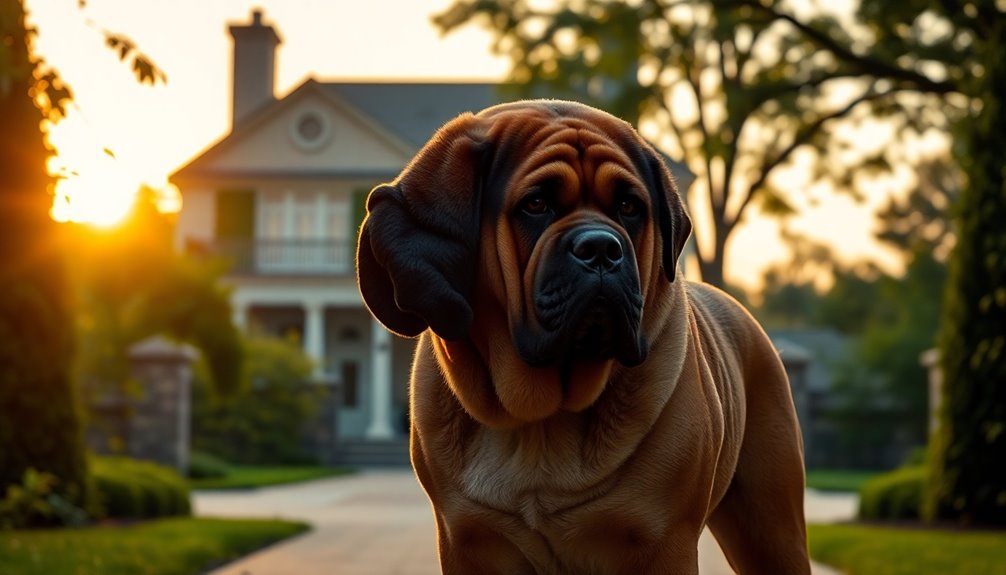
x: 598, y: 249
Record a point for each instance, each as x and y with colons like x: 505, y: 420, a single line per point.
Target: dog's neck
x: 571, y: 455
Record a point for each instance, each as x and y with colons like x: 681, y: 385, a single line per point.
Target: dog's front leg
x: 466, y: 547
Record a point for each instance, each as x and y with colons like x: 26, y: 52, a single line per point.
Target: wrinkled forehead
x: 557, y: 141
x: 540, y: 113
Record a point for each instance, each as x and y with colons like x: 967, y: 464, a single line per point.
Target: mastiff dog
x: 576, y: 405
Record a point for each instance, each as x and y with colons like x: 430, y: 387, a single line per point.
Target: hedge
x: 893, y: 496
x: 128, y: 488
x: 204, y: 465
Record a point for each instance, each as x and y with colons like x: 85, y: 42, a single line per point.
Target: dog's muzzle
x: 587, y: 302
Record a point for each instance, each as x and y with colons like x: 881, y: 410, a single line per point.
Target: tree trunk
x: 968, y: 467
x: 712, y: 272
x: 40, y: 425
x: 711, y: 265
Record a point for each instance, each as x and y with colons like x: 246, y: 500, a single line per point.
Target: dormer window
x: 310, y: 131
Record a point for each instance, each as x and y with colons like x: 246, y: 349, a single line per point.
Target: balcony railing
x: 286, y: 257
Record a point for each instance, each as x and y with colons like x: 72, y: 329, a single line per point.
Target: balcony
x: 284, y: 257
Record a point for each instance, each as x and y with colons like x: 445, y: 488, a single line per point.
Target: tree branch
x: 800, y: 139
x: 693, y: 77
x: 868, y: 65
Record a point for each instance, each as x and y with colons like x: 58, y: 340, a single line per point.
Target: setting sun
x: 93, y: 184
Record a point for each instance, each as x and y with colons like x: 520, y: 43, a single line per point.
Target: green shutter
x: 235, y: 214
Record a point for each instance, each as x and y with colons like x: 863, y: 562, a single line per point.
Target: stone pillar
x: 380, y: 383
x: 314, y: 336
x: 159, y: 428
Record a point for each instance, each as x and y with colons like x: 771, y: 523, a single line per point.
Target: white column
x: 314, y: 335
x: 380, y: 383
x: 239, y: 313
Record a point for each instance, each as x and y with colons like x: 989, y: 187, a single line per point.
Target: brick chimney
x: 254, y: 67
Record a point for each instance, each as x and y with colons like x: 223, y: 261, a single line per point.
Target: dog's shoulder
x: 721, y: 316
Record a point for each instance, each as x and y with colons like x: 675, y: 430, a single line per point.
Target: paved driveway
x: 378, y: 522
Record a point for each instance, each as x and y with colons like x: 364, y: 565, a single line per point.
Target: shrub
x: 893, y: 496
x: 263, y: 423
x: 203, y: 465
x: 129, y: 488
x: 35, y: 502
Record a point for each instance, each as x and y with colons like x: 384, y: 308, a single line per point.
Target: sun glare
x: 92, y: 200
x: 93, y: 185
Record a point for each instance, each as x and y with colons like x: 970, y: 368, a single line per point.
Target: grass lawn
x: 838, y: 479
x: 250, y: 477
x: 170, y: 546
x: 881, y: 550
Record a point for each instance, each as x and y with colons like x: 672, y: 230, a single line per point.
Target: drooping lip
x: 601, y: 326
x: 593, y: 337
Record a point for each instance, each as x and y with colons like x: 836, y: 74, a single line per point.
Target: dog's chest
x: 558, y: 512
x: 531, y: 476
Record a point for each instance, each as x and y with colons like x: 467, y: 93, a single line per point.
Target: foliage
x: 40, y: 425
x: 253, y: 477
x: 132, y: 284
x: 871, y: 550
x: 890, y: 319
x: 968, y: 469
x: 204, y: 465
x: 741, y: 88
x: 34, y: 503
x: 181, y: 546
x: 896, y: 495
x: 889, y: 322
x: 130, y: 488
x: 262, y: 423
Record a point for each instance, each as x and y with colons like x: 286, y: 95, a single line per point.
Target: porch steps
x: 376, y: 453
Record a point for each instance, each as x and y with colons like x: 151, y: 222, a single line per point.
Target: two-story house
x: 282, y: 196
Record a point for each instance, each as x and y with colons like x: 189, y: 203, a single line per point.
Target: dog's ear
x: 675, y: 225
x: 418, y: 247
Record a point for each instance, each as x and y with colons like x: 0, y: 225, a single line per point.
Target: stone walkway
x: 378, y: 522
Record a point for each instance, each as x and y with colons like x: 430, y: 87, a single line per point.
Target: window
x: 310, y: 130
x: 309, y: 127
x: 304, y: 231
x: 272, y: 216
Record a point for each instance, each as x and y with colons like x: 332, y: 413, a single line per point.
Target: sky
x: 120, y: 134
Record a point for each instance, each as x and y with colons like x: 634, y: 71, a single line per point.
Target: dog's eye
x: 629, y: 207
x: 535, y: 205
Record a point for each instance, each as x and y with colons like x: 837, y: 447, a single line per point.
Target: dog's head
x: 538, y: 227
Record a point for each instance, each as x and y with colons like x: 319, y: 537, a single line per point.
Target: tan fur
x: 620, y: 470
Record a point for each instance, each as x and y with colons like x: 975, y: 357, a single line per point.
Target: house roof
x: 414, y: 111
x: 821, y: 349
x: 404, y: 112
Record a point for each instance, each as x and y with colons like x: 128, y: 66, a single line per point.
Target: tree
x: 739, y: 88
x: 957, y: 45
x: 905, y: 314
x: 40, y: 425
x: 967, y: 465
x: 132, y: 284
x: 888, y: 319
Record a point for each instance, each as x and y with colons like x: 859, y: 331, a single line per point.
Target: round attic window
x: 310, y: 131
